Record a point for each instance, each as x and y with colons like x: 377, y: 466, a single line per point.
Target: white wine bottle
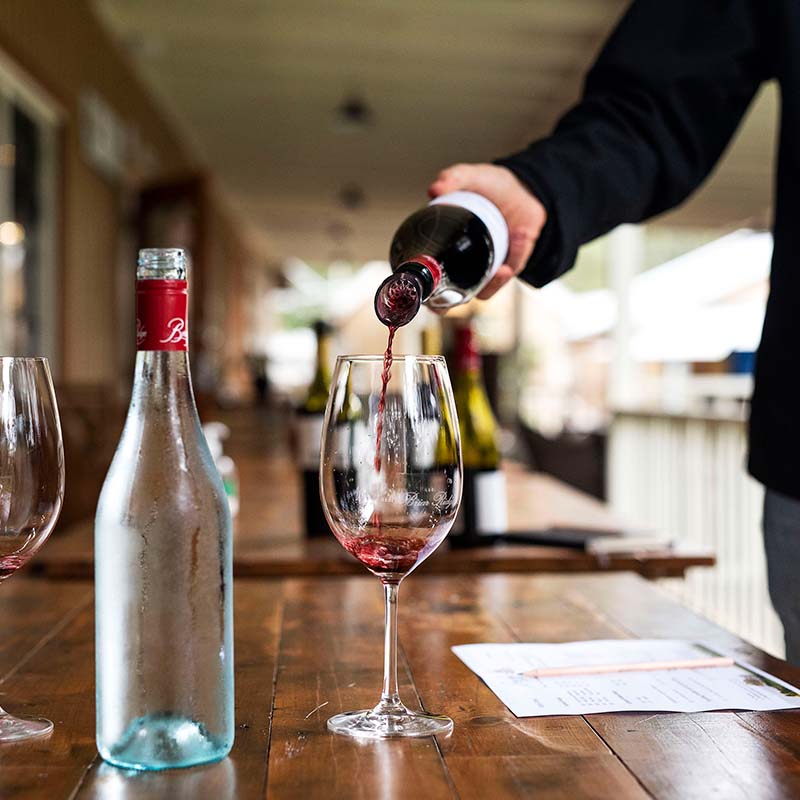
x: 163, y: 561
x: 308, y: 428
x: 484, y: 513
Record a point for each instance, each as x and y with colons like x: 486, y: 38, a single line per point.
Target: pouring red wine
x: 442, y: 256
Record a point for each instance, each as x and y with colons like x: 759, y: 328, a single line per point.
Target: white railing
x: 685, y: 476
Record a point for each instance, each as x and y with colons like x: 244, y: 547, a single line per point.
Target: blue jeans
x: 782, y: 545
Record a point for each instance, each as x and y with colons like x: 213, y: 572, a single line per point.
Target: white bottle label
x: 425, y: 437
x: 490, y: 215
x: 309, y: 440
x: 491, y: 503
x: 352, y: 445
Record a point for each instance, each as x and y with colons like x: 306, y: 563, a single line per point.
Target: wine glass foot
x: 370, y: 724
x: 14, y: 729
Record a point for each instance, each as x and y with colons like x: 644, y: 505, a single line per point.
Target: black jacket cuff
x: 550, y: 257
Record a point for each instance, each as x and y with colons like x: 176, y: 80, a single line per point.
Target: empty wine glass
x: 31, y: 483
x: 390, y: 481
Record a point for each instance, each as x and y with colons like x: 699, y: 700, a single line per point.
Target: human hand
x: 523, y: 212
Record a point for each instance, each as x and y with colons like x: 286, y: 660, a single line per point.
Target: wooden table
x: 306, y: 649
x: 268, y: 541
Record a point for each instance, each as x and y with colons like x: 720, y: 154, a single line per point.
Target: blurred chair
x: 578, y: 459
x: 91, y: 422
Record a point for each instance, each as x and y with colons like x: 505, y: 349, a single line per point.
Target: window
x: 29, y: 312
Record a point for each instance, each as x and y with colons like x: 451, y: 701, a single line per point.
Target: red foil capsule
x: 161, y: 318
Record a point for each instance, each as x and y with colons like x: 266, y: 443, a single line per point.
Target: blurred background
x: 282, y: 143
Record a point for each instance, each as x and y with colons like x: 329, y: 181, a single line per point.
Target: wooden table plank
x: 492, y: 753
x: 331, y: 661
x: 318, y: 642
x: 34, y: 610
x: 34, y: 613
x: 55, y: 679
x: 257, y: 610
x: 680, y: 755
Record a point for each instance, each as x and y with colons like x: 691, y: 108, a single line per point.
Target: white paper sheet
x: 741, y: 687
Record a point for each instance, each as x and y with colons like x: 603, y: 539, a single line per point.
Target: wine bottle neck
x: 163, y: 381
x: 322, y: 376
x: 468, y: 357
x: 427, y: 269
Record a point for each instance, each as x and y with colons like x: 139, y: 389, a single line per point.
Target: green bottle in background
x: 484, y: 512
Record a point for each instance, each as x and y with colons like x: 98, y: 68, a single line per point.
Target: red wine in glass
x: 392, y: 551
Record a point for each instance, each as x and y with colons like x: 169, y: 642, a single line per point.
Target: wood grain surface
x: 309, y: 648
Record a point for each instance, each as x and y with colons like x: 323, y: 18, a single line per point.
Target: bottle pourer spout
x: 398, y: 299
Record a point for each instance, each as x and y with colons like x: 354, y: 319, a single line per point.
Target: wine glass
x: 31, y: 483
x: 390, y: 482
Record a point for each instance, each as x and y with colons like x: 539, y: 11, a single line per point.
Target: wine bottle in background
x: 163, y: 561
x: 431, y: 337
x: 422, y: 433
x: 442, y: 255
x: 484, y: 513
x: 352, y: 449
x: 309, y: 435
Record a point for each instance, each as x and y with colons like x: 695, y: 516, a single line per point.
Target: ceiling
x: 254, y: 86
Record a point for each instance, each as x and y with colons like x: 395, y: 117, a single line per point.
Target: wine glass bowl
x: 390, y: 483
x: 31, y: 482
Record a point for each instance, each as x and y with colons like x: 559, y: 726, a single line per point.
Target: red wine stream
x: 396, y: 304
x: 385, y: 376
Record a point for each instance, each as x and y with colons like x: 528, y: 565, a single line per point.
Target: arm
x: 659, y: 107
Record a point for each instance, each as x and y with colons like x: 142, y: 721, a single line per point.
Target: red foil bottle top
x: 432, y: 265
x: 161, y: 322
x: 467, y: 355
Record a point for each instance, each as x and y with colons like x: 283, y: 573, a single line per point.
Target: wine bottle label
x: 424, y: 439
x: 161, y: 322
x: 352, y: 445
x: 309, y: 440
x: 490, y: 215
x: 491, y: 504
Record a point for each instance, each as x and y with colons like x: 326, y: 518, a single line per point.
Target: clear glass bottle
x: 163, y: 561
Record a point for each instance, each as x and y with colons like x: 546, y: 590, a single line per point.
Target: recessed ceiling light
x: 353, y: 114
x: 352, y: 196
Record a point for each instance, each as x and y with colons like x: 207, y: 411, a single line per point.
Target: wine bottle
x: 483, y: 514
x: 352, y: 454
x: 163, y: 561
x: 442, y: 255
x: 309, y: 435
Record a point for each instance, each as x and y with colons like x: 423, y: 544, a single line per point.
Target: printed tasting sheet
x: 502, y: 668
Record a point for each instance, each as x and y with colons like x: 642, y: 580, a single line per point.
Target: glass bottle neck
x: 162, y: 379
x: 322, y: 376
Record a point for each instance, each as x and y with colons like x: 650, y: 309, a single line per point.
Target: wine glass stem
x: 390, y: 696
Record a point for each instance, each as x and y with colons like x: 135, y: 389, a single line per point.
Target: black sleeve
x: 659, y: 106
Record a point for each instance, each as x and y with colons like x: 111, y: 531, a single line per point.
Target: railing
x: 685, y: 476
